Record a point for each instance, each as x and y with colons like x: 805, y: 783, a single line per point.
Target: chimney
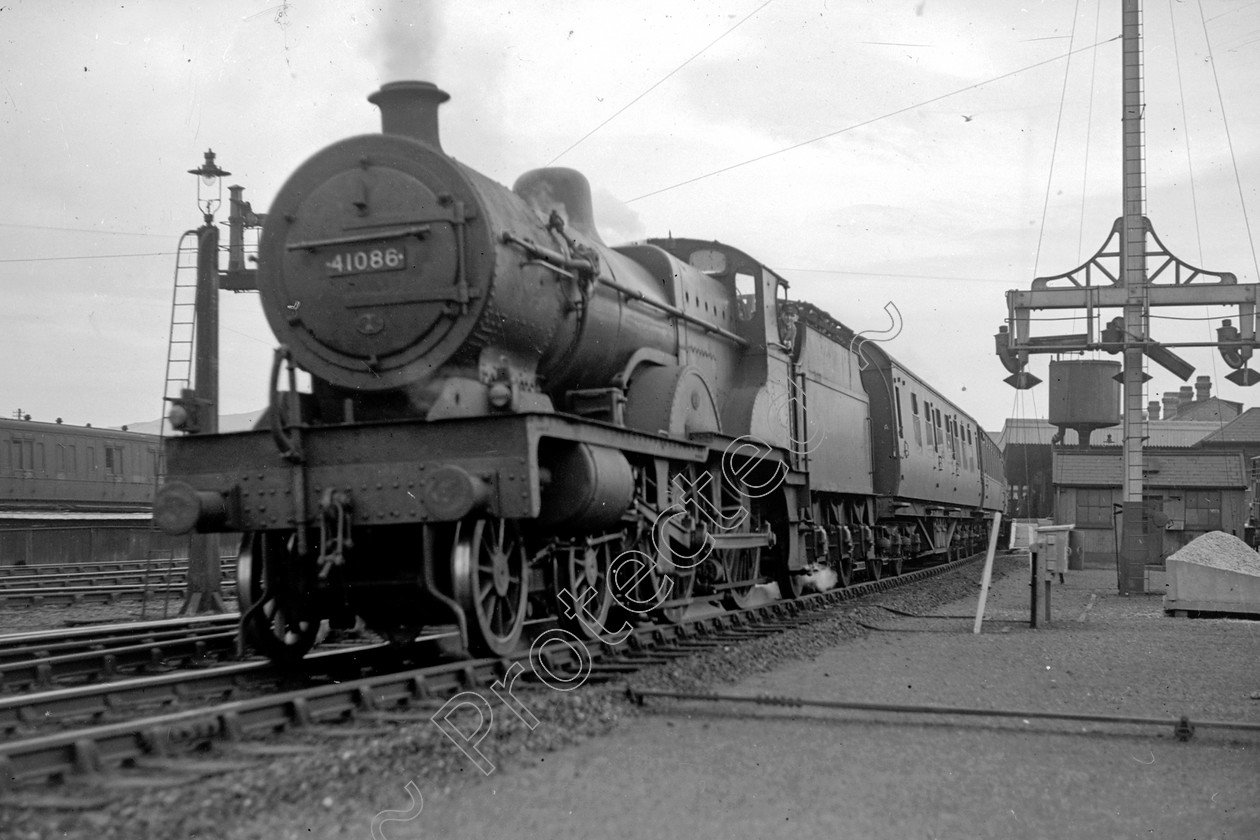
x: 1152, y: 410
x: 1170, y: 404
x: 1185, y: 397
x: 1202, y: 388
x: 410, y: 109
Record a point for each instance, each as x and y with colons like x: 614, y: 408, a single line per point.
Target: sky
x: 929, y: 154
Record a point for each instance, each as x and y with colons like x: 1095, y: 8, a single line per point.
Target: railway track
x: 102, y: 567
x: 104, y: 652
x: 33, y: 759
x: 81, y: 588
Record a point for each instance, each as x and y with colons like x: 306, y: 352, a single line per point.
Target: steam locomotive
x: 507, y: 418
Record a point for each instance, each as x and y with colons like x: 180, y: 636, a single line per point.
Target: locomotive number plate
x: 366, y: 261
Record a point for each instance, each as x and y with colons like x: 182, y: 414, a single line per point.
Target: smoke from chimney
x: 409, y: 34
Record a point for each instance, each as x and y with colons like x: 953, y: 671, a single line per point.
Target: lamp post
x: 204, y: 591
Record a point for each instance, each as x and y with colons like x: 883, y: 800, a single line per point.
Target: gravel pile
x: 353, y: 776
x: 1220, y: 551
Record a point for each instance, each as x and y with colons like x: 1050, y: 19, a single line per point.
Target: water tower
x: 1084, y: 395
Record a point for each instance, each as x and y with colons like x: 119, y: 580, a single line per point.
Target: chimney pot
x: 1171, y: 401
x: 410, y: 109
x: 1202, y: 388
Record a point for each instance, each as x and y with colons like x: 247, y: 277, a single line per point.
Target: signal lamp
x: 209, y: 176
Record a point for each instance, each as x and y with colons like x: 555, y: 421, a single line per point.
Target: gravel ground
x: 336, y: 791
x: 725, y: 771
x: 685, y: 769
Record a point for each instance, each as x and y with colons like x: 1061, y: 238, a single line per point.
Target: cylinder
x: 590, y: 486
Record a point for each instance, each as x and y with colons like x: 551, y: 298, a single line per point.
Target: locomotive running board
x: 395, y: 472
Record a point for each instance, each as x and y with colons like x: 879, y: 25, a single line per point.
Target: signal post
x: 1134, y: 289
x: 196, y: 410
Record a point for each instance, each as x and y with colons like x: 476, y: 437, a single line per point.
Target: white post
x: 988, y: 570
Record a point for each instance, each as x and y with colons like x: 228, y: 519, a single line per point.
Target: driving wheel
x: 490, y: 577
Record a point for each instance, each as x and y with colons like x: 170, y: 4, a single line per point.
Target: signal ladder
x: 179, y: 372
x: 179, y: 346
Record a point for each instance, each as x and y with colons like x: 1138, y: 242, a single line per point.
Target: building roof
x: 227, y: 423
x: 1245, y: 428
x: 1192, y: 468
x: 1213, y: 408
x: 1166, y: 434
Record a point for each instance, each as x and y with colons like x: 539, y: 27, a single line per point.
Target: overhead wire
x: 658, y: 83
x: 86, y: 257
x: 82, y: 230
x: 1089, y: 133
x: 1251, y: 240
x: 1194, y: 191
x: 1054, y: 147
x: 890, y: 274
x: 870, y: 121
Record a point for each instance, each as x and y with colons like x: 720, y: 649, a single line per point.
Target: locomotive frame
x: 510, y: 419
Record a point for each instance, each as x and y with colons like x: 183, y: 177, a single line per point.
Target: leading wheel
x: 490, y: 577
x: 268, y: 588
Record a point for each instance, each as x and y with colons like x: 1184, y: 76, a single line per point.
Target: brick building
x: 1188, y: 492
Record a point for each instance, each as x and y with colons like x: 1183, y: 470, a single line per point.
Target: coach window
x: 90, y: 466
x: 72, y: 466
x: 914, y: 411
x: 113, y: 460
x: 897, y: 397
